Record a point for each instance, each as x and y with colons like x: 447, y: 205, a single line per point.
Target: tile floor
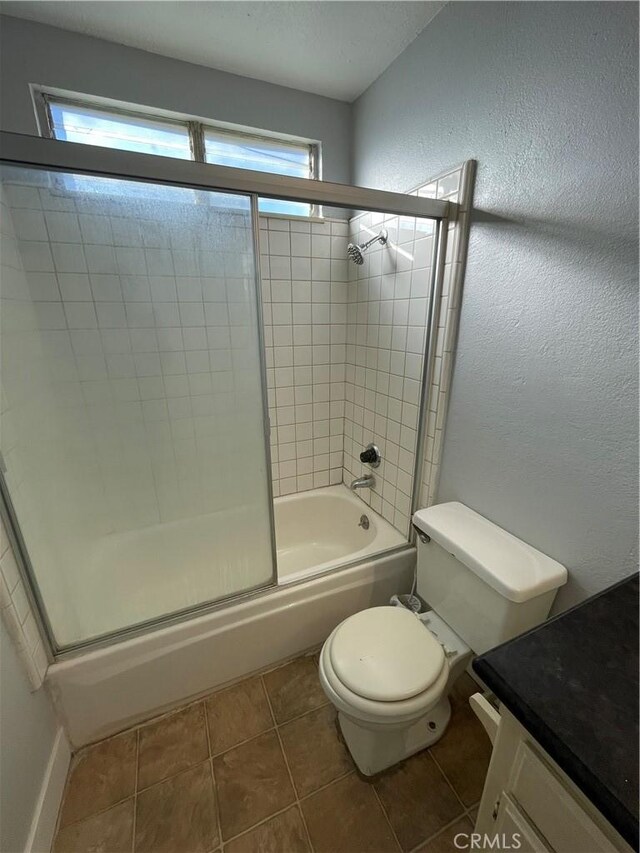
x: 259, y: 768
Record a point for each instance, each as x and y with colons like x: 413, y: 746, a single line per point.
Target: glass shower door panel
x: 132, y: 425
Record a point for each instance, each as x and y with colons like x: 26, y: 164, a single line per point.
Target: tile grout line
x: 386, y: 816
x: 304, y: 714
x: 242, y: 742
x: 259, y: 823
x: 326, y: 785
x: 270, y: 729
x: 194, y: 701
x: 210, y: 757
x: 284, y: 755
x: 437, y: 833
x: 275, y: 727
x: 470, y: 809
x: 446, y: 779
x: 95, y: 814
x: 135, y: 793
x: 213, y: 775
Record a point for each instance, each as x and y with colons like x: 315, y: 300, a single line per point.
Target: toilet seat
x: 382, y: 665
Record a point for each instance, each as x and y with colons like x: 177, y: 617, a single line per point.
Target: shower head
x: 355, y: 252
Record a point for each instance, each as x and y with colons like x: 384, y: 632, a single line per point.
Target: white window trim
x: 196, y: 129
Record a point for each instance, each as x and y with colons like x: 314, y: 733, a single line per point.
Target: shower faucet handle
x: 371, y: 456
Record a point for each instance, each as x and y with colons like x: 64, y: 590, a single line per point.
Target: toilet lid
x: 386, y: 654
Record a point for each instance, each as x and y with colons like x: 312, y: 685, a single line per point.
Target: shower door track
x: 54, y: 155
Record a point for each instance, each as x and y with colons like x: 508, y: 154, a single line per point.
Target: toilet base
x: 376, y: 748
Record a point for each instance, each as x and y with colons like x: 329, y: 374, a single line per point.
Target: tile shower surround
x: 129, y: 397
x: 350, y: 342
x: 305, y: 291
x: 318, y: 339
x: 308, y: 297
x: 388, y: 298
x: 143, y: 339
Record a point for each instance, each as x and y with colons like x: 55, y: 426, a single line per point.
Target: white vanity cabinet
x: 529, y: 802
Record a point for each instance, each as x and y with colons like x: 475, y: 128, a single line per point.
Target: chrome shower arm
x: 381, y: 237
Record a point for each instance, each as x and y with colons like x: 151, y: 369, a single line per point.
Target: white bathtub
x: 321, y: 529
x: 102, y: 691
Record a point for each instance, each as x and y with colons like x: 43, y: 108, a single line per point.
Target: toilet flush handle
x: 422, y: 536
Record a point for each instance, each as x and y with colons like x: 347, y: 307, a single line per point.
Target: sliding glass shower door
x: 132, y: 423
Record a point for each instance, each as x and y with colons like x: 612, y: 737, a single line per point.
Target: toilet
x: 389, y: 671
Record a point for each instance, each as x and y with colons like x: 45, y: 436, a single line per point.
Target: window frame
x: 196, y: 130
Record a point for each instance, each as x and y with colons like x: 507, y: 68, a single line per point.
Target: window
x: 78, y: 121
x: 263, y: 155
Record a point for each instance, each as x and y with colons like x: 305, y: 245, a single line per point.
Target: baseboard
x: 45, y: 813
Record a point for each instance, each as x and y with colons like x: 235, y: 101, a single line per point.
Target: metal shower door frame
x: 55, y: 156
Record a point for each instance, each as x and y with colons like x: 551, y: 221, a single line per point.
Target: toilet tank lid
x: 514, y: 569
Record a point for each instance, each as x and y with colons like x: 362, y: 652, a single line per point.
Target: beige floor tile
x: 237, y: 714
x: 253, y: 783
x: 444, y: 841
x: 463, y: 754
x: 101, y: 776
x: 171, y: 745
x: 107, y: 832
x: 294, y: 689
x: 315, y: 753
x: 417, y: 799
x: 176, y: 809
x: 284, y: 833
x: 178, y: 815
x: 346, y: 817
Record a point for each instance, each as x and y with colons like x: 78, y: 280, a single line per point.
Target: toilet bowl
x: 388, y: 672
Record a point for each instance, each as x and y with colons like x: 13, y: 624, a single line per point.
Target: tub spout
x: 366, y: 482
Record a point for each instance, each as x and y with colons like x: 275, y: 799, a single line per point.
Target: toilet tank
x: 488, y: 585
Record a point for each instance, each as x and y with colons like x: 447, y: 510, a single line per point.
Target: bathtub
x: 319, y: 530
x: 329, y: 567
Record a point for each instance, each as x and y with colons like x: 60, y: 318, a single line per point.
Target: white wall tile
x: 384, y: 355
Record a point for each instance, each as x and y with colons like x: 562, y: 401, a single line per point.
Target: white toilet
x: 389, y: 671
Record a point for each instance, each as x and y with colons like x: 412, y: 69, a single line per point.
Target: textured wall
x: 542, y: 427
x: 48, y: 56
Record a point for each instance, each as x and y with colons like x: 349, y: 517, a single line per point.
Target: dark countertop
x: 573, y: 684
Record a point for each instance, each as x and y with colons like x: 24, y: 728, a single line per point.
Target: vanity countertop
x: 573, y: 684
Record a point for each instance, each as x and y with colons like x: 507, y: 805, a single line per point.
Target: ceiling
x: 331, y: 48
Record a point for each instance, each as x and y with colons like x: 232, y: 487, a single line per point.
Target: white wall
x: 542, y: 427
x: 39, y: 54
x: 27, y: 732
